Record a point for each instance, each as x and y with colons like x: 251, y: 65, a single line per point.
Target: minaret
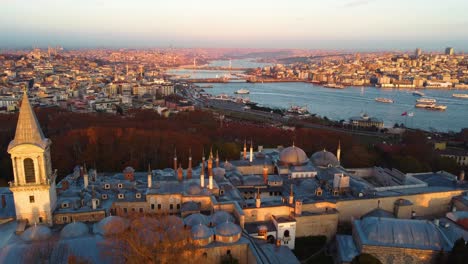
x: 33, y: 186
x: 85, y: 177
x: 180, y: 173
x: 245, y: 149
x: 258, y: 201
x: 291, y: 195
x: 338, y: 151
x: 150, y: 177
x: 265, y: 174
x: 217, y: 159
x: 210, y: 171
x: 189, y: 169
x: 202, y: 172
x: 175, y: 160
x: 210, y: 164
x: 251, y: 152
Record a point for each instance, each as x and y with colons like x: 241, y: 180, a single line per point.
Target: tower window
x: 31, y: 198
x: 29, y: 171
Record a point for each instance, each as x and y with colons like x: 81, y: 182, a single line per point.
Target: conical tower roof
x: 28, y: 130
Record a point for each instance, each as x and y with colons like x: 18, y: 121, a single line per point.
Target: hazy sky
x: 311, y: 24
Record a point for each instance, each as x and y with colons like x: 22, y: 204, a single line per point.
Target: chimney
x: 150, y: 177
x: 85, y: 177
x: 265, y: 174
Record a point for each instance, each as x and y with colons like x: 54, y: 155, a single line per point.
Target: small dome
x: 128, y: 170
x: 253, y: 180
x: 196, y: 219
x: 194, y: 189
x: 36, y: 233
x: 293, y: 156
x: 110, y: 225
x: 75, y: 229
x: 228, y: 229
x: 221, y: 217
x: 324, y: 159
x: 201, y: 231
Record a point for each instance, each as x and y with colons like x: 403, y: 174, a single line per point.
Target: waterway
x: 341, y: 104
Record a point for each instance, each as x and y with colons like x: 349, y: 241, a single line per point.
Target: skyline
x: 337, y: 24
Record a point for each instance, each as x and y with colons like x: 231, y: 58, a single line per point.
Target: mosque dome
x: 324, y: 159
x: 228, y: 232
x: 196, y: 219
x: 110, y: 225
x: 293, y: 156
x: 201, y: 232
x: 75, y: 229
x: 36, y: 233
x: 220, y: 217
x: 253, y: 180
x: 194, y: 189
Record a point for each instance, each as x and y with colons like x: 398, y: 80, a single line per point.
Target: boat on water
x: 418, y: 93
x: 431, y: 106
x: 242, y: 91
x: 384, y: 100
x: 334, y: 86
x: 426, y: 100
x: 464, y: 96
x: 298, y: 110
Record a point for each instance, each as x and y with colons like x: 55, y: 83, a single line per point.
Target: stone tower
x: 33, y: 187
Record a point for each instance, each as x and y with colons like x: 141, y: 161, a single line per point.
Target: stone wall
x: 317, y: 225
x: 394, y: 255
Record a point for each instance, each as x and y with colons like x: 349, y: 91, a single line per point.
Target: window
x: 286, y: 233
x: 121, y: 196
x: 65, y: 219
x: 104, y: 196
x: 133, y: 209
x: 125, y: 210
x: 107, y: 186
x: 40, y: 220
x: 178, y: 206
x: 31, y: 199
x: 171, y: 206
x: 152, y: 206
x: 159, y: 206
x: 141, y: 210
x: 29, y: 171
x: 120, y: 185
x: 138, y: 195
x: 65, y: 205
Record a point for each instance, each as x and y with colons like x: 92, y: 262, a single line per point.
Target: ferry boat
x: 334, y: 86
x: 431, y: 106
x: 464, y: 96
x: 242, y: 91
x: 426, y: 100
x: 384, y: 100
x: 418, y: 93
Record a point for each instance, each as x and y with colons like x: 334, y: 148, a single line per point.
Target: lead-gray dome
x: 201, y: 231
x: 324, y: 159
x: 194, y: 189
x: 111, y: 225
x: 196, y: 219
x: 36, y: 233
x: 293, y: 156
x: 227, y: 229
x: 400, y: 233
x: 75, y: 229
x: 221, y: 217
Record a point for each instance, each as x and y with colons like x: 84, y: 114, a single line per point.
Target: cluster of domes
x: 196, y: 219
x: 228, y: 232
x: 220, y: 217
x: 293, y: 156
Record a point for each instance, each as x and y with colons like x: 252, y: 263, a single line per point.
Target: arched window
x: 286, y: 233
x: 29, y: 171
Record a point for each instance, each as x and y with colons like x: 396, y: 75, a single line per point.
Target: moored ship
x: 418, y: 93
x: 431, y: 106
x: 384, y: 100
x: 334, y: 86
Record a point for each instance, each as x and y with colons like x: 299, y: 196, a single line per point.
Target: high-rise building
x: 417, y: 52
x: 449, y: 51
